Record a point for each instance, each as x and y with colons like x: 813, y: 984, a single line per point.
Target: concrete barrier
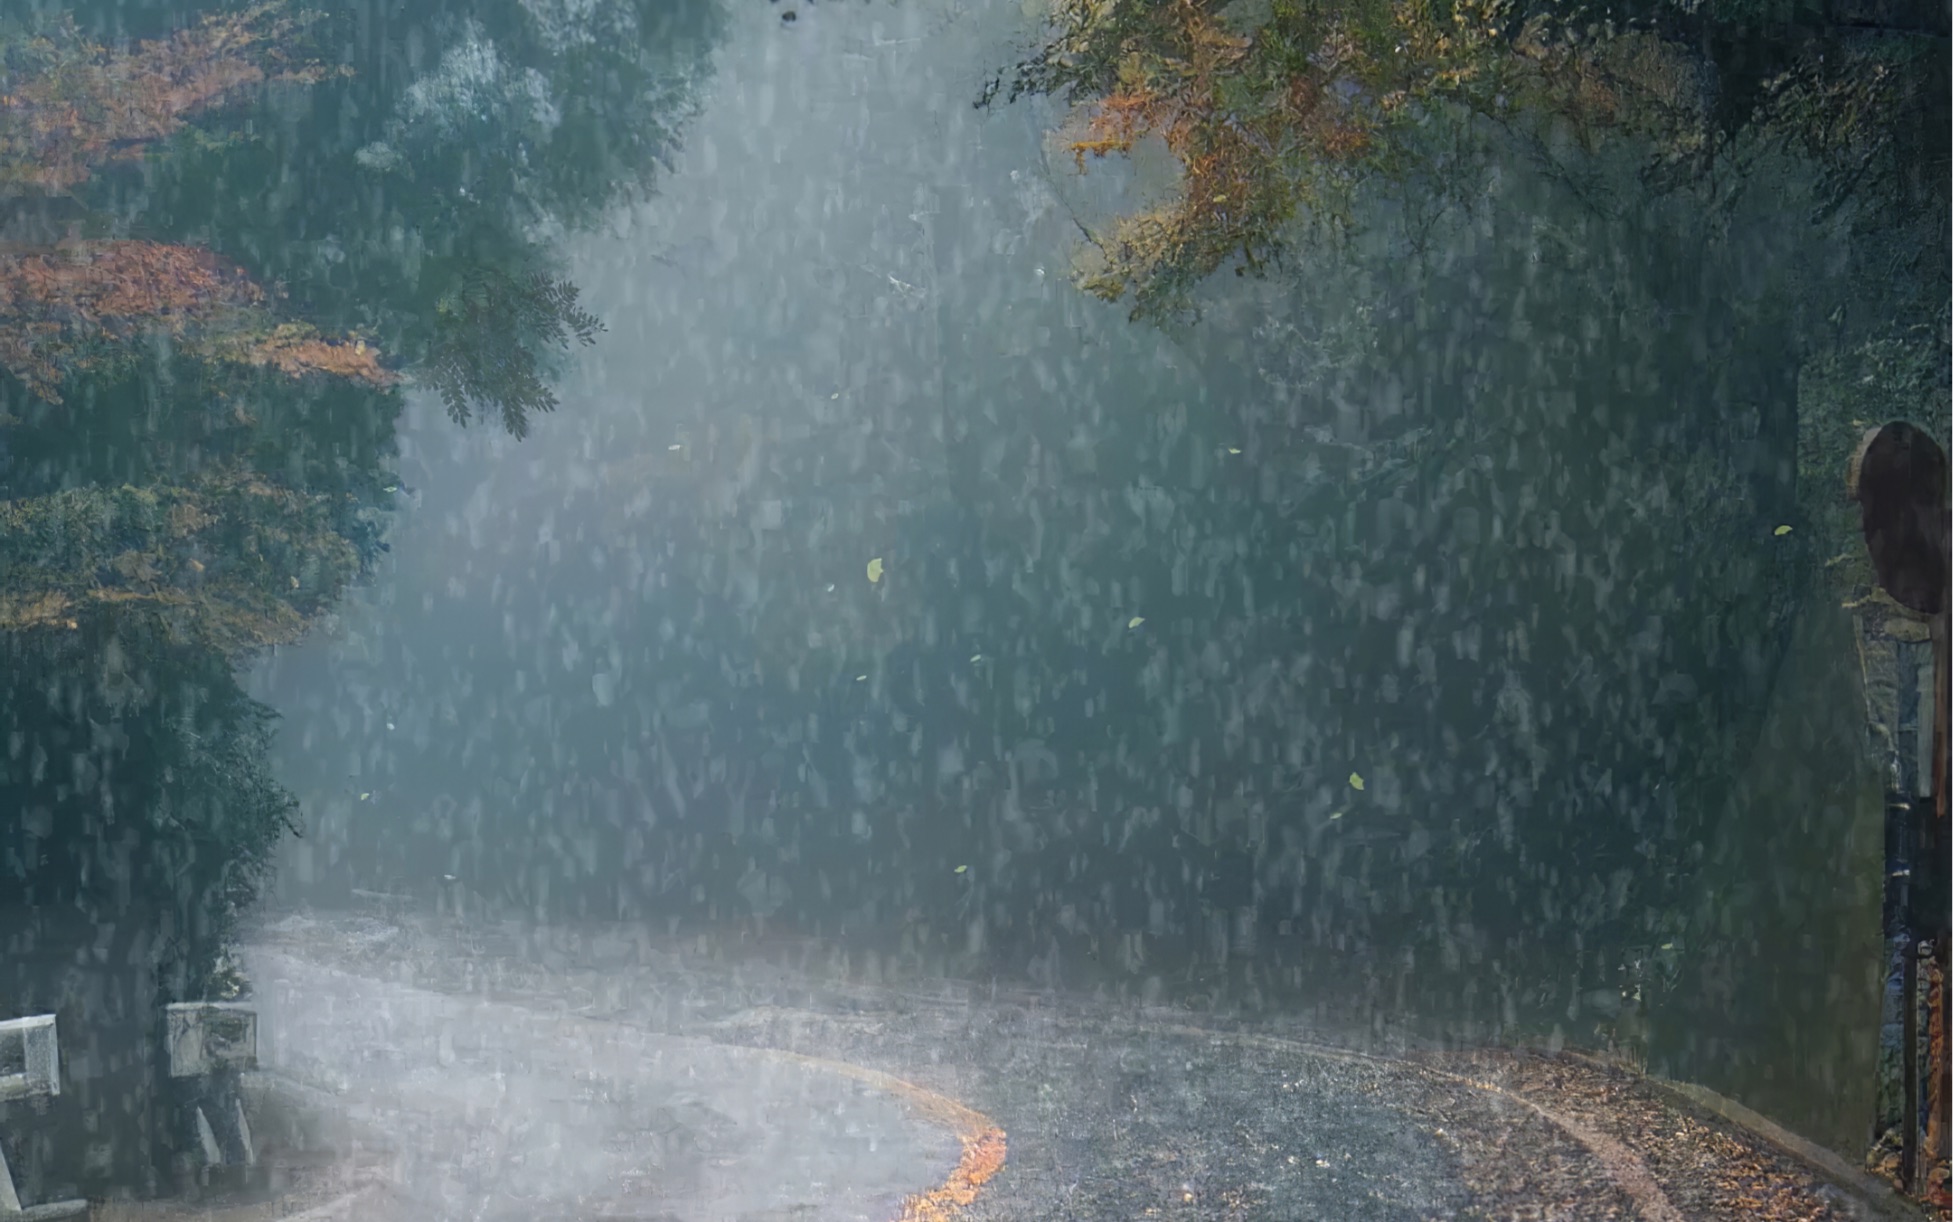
x: 30, y: 1069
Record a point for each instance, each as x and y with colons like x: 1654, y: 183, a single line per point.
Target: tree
x: 429, y: 198
x: 197, y: 419
x: 69, y: 106
x: 230, y: 563
x: 484, y: 359
x: 479, y: 326
x: 1277, y: 111
x: 179, y: 487
x: 159, y: 802
x: 100, y: 306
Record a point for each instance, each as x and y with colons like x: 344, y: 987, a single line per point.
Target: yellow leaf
x: 962, y: 869
x: 875, y: 570
x: 1355, y: 781
x: 1782, y: 531
x: 1220, y: 199
x: 1233, y: 450
x: 364, y: 796
x: 1135, y: 621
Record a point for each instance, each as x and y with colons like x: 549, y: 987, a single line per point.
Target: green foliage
x: 492, y: 334
x: 219, y: 813
x: 538, y: 111
x: 229, y: 562
x: 523, y: 119
x: 69, y: 107
x: 159, y: 805
x: 1871, y: 114
x: 1279, y: 113
x: 1900, y: 374
x: 195, y: 456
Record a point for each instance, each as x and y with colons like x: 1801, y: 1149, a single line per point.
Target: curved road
x: 504, y: 1111
x: 520, y: 1073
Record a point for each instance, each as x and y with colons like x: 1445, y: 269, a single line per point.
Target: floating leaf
x: 1355, y: 781
x: 1135, y: 621
x: 1335, y: 815
x: 1782, y: 531
x: 861, y: 678
x: 364, y: 796
x: 674, y: 447
x: 875, y: 570
x: 976, y: 657
x: 1234, y: 449
x: 962, y: 869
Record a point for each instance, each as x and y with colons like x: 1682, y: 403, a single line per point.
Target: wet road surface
x: 599, y: 1073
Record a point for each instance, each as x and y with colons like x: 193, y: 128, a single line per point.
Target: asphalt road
x: 506, y: 1111
x: 597, y: 1073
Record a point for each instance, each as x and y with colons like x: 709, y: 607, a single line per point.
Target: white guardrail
x: 211, y: 1036
x: 210, y: 1044
x: 30, y: 1059
x: 30, y: 1068
x: 215, y: 1041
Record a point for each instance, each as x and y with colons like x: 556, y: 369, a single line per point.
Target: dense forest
x: 231, y: 248
x: 200, y: 398
x: 1644, y: 273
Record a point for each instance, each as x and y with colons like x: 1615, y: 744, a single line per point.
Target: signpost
x: 1898, y: 477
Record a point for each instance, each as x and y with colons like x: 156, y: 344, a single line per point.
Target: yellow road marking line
x: 983, y: 1140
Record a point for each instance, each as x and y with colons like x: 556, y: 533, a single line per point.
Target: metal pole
x: 1939, y: 1091
x: 1909, y: 1068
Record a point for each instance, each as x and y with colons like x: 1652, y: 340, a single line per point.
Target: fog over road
x: 507, y: 1111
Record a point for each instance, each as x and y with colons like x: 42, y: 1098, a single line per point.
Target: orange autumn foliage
x: 59, y: 308
x: 1278, y: 111
x: 79, y: 305
x: 105, y: 283
x: 297, y: 350
x: 68, y: 106
x: 1238, y: 165
x: 1177, y: 103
